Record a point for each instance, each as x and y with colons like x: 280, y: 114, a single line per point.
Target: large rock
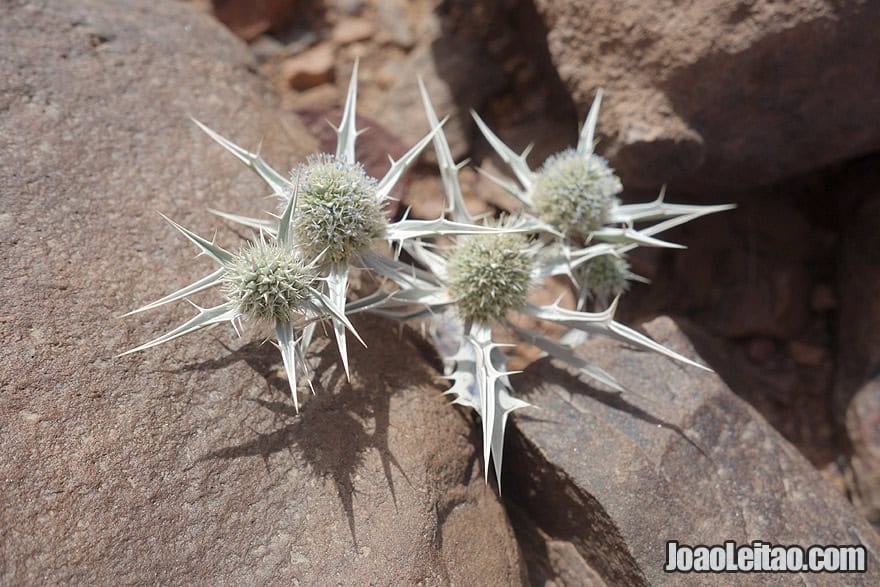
x: 720, y: 94
x: 608, y: 479
x: 185, y: 464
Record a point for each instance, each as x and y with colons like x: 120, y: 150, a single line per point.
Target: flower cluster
x: 296, y: 272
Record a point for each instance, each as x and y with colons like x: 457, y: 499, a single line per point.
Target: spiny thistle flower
x: 575, y: 192
x: 490, y: 275
x: 263, y: 281
x: 341, y: 215
x: 268, y: 281
x: 476, y: 286
x: 606, y: 277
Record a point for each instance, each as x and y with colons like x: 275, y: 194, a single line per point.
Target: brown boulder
x: 185, y: 464
x: 722, y: 95
x: 615, y: 477
x: 311, y: 68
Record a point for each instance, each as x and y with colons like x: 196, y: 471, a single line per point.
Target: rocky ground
x: 170, y: 469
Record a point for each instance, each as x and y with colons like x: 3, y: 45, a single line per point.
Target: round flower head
x: 337, y: 212
x: 490, y: 275
x: 268, y: 281
x: 606, y: 276
x: 574, y: 193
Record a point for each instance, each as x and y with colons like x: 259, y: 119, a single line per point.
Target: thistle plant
x: 605, y: 277
x: 476, y: 287
x: 330, y: 218
x: 575, y: 194
x: 490, y: 275
x: 267, y: 281
x: 339, y: 214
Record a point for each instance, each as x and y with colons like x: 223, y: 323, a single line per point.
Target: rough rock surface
x: 758, y: 280
x: 863, y: 430
x: 719, y: 94
x: 311, y: 68
x: 185, y: 464
x: 693, y: 463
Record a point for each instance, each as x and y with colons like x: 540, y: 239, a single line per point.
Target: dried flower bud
x: 606, y: 276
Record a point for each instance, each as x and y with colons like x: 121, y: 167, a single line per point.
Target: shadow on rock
x: 544, y: 372
x: 338, y: 424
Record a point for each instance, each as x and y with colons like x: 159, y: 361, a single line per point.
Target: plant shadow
x: 342, y: 421
x: 544, y: 372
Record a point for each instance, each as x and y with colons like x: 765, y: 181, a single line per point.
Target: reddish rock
x: 249, y: 19
x: 352, y: 30
x: 310, y: 68
x: 323, y: 97
x: 722, y: 95
x: 394, y: 23
x: 808, y: 354
x: 458, y: 74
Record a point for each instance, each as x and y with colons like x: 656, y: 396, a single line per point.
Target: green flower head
x: 490, y: 275
x: 575, y: 192
x: 338, y: 212
x: 268, y: 281
x: 606, y: 276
